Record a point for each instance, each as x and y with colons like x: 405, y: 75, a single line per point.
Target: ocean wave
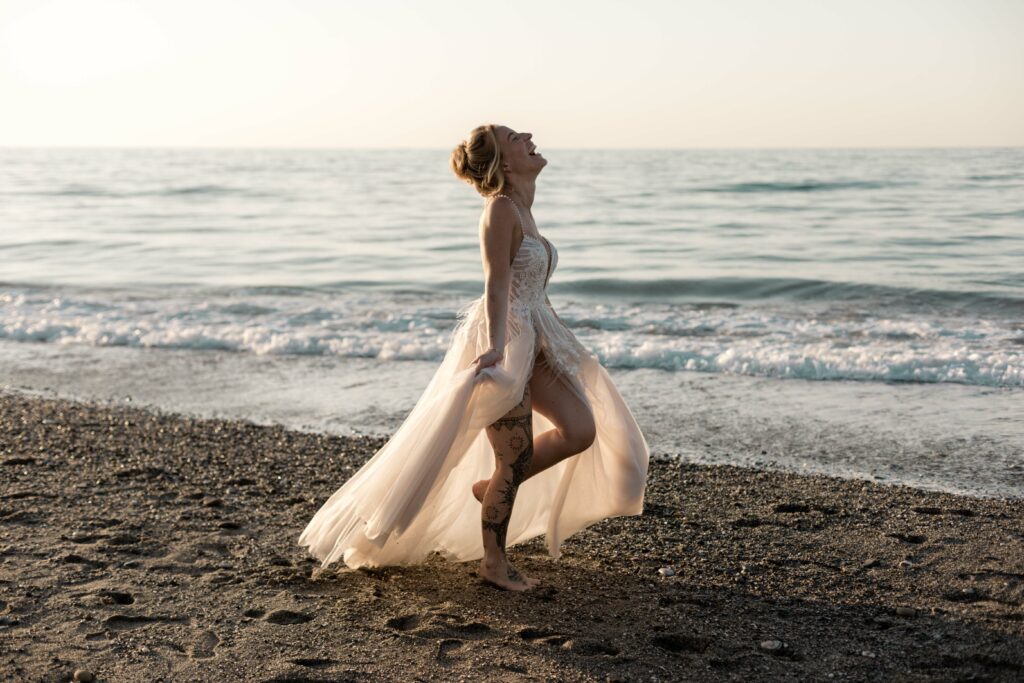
x: 205, y: 190
x: 804, y: 186
x: 714, y: 292
x: 888, y: 358
x: 792, y: 289
x: 880, y: 362
x: 785, y: 341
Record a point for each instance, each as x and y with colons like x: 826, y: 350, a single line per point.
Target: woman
x: 452, y: 471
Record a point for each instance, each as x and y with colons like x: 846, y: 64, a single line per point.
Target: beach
x: 143, y: 545
x: 776, y: 253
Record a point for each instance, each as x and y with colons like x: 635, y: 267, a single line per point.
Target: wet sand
x: 143, y: 546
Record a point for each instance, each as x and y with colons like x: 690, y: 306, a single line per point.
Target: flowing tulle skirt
x: 414, y: 496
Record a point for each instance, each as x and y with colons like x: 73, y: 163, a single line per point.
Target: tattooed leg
x: 511, y: 436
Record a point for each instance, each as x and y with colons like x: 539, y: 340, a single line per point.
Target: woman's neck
x: 523, y: 194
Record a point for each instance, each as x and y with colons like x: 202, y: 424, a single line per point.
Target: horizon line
x: 284, y: 148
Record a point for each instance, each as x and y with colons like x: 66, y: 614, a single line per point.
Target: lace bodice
x: 532, y: 266
x: 531, y: 270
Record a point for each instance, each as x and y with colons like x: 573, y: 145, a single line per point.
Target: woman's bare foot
x: 502, y: 574
x: 479, y: 488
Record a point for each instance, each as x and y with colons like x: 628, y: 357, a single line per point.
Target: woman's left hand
x: 487, y: 359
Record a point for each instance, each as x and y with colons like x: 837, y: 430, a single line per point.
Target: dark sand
x: 150, y: 547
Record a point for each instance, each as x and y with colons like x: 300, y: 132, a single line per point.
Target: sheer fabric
x: 414, y: 497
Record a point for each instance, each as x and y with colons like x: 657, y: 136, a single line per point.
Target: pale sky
x: 405, y: 74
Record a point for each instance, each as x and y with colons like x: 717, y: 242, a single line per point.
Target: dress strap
x: 514, y: 205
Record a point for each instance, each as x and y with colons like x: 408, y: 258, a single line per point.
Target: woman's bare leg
x: 574, y: 430
x: 511, y: 436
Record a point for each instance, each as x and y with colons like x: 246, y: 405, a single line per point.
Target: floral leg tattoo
x: 512, y: 439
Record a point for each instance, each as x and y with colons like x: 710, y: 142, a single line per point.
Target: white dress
x: 414, y: 496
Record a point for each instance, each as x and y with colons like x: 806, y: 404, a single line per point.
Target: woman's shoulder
x: 499, y: 210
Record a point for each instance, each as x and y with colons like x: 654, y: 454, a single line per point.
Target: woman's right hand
x: 487, y: 359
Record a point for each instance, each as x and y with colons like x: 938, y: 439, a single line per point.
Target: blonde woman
x: 518, y: 410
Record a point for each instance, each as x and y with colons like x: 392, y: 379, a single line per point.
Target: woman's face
x: 518, y: 152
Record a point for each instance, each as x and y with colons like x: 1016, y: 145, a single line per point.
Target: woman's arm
x: 496, y: 230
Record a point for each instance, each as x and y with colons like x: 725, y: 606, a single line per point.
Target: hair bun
x: 460, y: 161
x: 477, y: 160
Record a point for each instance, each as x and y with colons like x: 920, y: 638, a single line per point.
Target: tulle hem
x: 413, y: 497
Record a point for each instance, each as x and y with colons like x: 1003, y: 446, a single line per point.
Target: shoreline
x: 140, y: 544
x: 958, y: 439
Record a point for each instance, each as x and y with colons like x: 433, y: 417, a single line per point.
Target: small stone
x: 868, y: 653
x: 667, y: 571
x: 212, y: 502
x: 771, y: 645
x: 84, y: 676
x: 906, y: 612
x: 906, y: 564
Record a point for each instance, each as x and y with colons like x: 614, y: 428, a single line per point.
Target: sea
x: 853, y: 312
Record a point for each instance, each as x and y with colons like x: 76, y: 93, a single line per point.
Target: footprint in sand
x: 212, y: 549
x: 588, y: 647
x: 122, y: 539
x: 446, y: 647
x: 582, y: 646
x: 116, y: 597
x: 439, y: 625
x: 286, y: 617
x: 82, y: 538
x: 126, y: 622
x: 404, y: 623
x: 315, y: 662
x: 74, y: 558
x: 681, y: 642
x: 202, y: 647
x: 450, y: 631
x: 532, y: 633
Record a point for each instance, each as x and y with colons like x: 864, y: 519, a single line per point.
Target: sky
x: 633, y: 74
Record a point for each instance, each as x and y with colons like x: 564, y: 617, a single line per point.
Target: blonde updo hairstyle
x: 477, y: 160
